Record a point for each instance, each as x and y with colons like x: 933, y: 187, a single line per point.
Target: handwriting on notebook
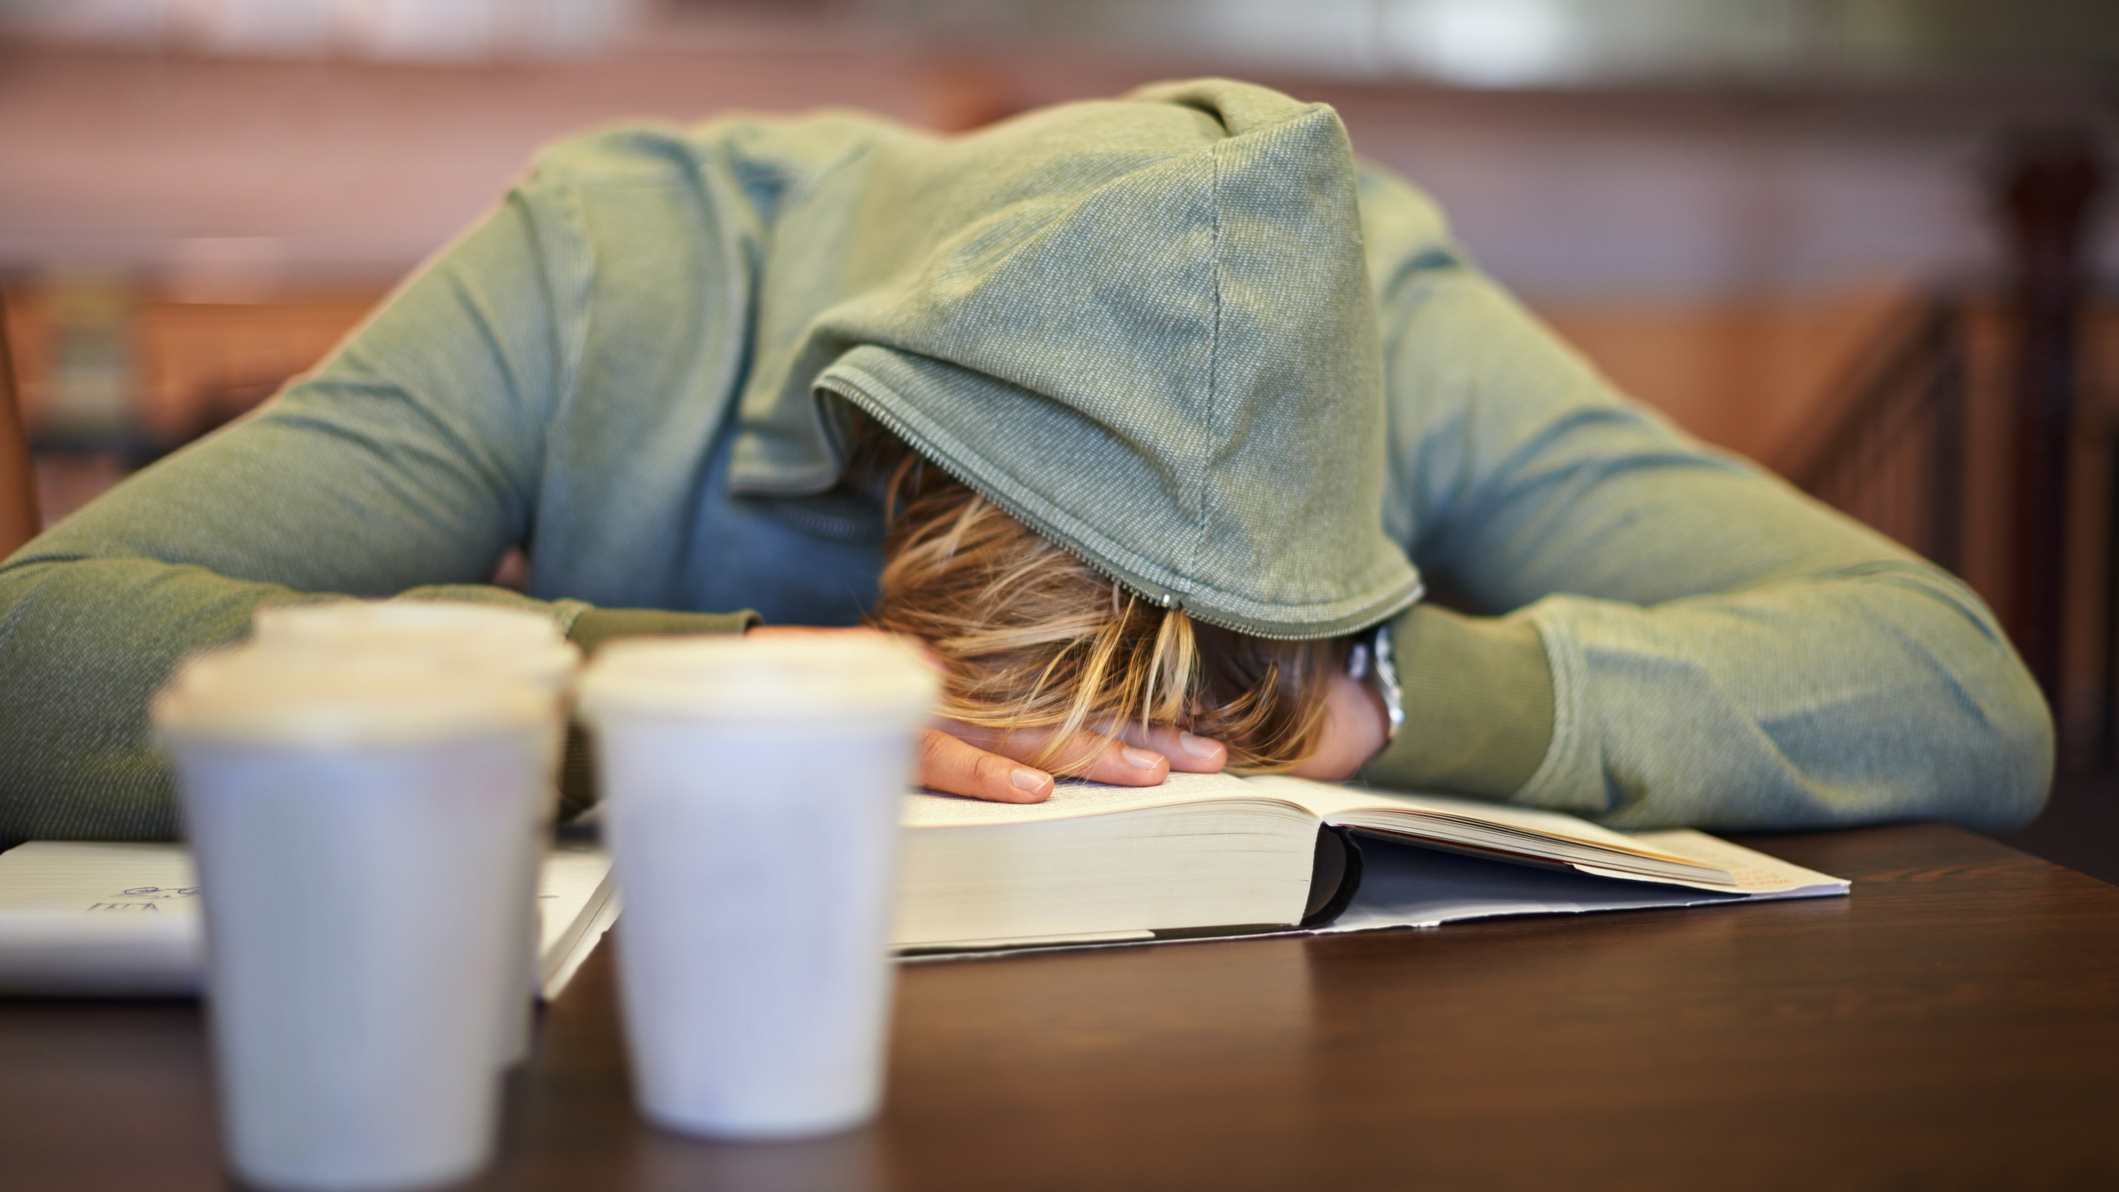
x: 145, y: 898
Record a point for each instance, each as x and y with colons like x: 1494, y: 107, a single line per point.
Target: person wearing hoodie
x: 1246, y: 391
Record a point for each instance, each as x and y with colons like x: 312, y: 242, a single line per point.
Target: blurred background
x: 1868, y: 243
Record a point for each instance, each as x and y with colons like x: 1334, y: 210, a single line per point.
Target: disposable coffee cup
x: 753, y: 792
x: 451, y: 636
x: 358, y: 834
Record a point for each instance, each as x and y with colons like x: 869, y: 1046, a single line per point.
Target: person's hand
x: 984, y: 763
x: 988, y: 763
x: 1355, y: 729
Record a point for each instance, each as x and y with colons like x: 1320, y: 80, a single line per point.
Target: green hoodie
x: 1182, y: 333
x: 1130, y: 324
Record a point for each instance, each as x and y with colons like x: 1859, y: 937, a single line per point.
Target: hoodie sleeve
x: 1720, y: 649
x: 407, y: 464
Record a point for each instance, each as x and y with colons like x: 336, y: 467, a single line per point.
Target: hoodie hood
x: 1144, y: 327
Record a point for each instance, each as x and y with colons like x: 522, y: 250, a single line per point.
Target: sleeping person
x: 1182, y: 437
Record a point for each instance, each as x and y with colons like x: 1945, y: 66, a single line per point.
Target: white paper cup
x: 357, y: 836
x: 451, y: 636
x: 754, y: 790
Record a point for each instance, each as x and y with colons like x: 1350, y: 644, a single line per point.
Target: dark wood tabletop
x: 1953, y: 1024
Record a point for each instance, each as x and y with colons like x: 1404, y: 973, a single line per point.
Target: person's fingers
x: 1020, y: 744
x: 1185, y: 751
x: 1117, y: 761
x: 1096, y: 756
x: 954, y: 766
x: 1089, y: 755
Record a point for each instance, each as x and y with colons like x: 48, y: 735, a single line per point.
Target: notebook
x: 81, y: 918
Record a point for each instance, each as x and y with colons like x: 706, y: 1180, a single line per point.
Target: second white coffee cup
x: 754, y: 792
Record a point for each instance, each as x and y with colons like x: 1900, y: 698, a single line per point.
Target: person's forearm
x: 1877, y: 692
x: 84, y: 643
x: 1722, y: 650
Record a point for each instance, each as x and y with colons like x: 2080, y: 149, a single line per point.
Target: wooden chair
x: 19, y: 521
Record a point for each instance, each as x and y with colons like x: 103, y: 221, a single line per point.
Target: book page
x: 1755, y: 872
x: 1330, y: 803
x: 576, y: 904
x: 1072, y: 797
x: 1403, y: 885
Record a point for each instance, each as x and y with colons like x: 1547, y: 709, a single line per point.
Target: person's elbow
x: 2012, y: 750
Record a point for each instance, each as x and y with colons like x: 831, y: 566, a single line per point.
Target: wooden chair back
x: 19, y: 520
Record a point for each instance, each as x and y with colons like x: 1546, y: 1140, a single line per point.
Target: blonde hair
x: 1032, y: 637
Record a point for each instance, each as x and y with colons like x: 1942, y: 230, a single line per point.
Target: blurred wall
x: 1721, y: 244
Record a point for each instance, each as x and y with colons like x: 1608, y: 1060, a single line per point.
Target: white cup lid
x: 444, y: 634
x: 737, y: 677
x: 312, y: 699
x: 443, y: 619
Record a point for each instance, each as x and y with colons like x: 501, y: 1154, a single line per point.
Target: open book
x: 1216, y: 855
x: 123, y: 919
x: 1201, y: 856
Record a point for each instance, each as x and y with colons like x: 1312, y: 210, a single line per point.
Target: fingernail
x: 1027, y: 779
x: 1139, y: 759
x: 1197, y: 746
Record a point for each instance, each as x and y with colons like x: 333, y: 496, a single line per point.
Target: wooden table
x: 1954, y: 1024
